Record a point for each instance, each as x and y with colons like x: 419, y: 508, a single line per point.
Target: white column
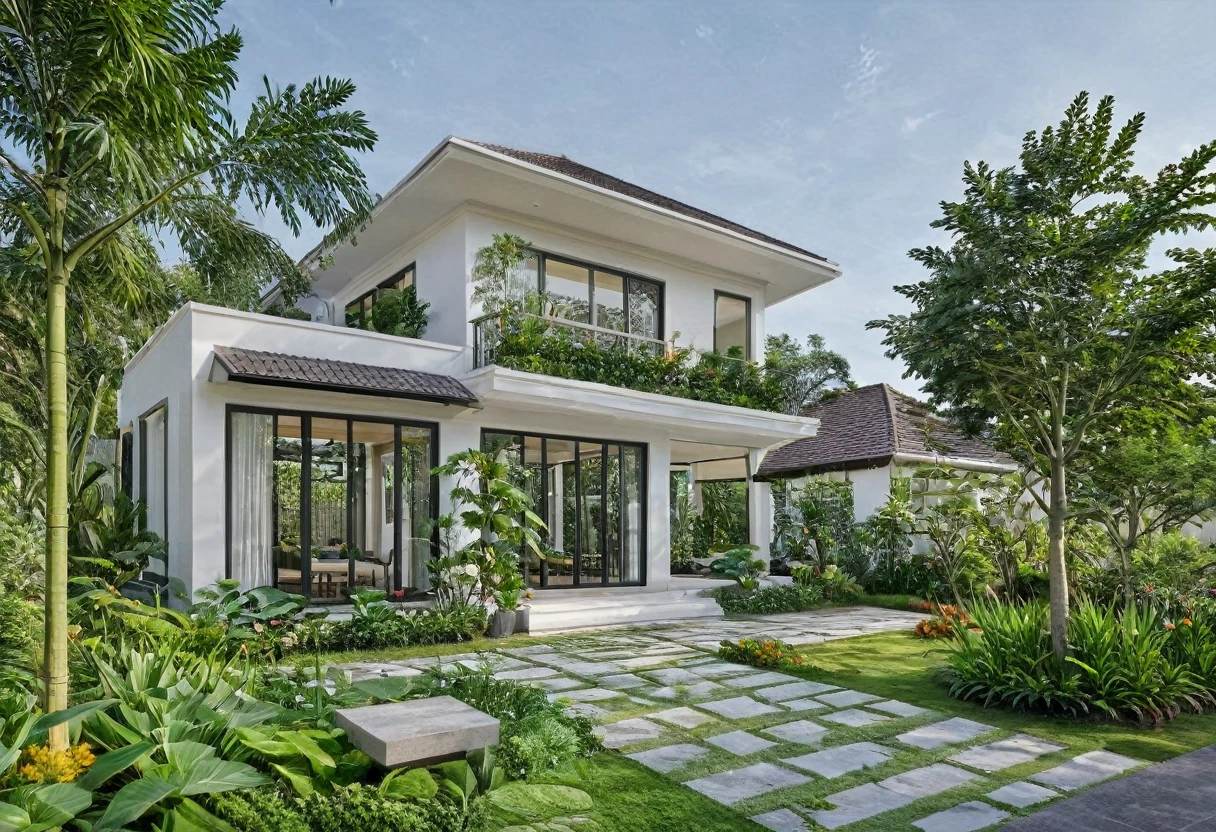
x: 658, y: 531
x: 455, y: 436
x: 759, y: 508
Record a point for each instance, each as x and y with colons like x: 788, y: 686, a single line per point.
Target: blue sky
x: 837, y: 126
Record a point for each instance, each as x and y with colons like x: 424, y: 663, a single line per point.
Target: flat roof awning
x: 276, y: 369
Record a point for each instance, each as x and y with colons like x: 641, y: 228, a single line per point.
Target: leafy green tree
x: 1042, y: 314
x: 1141, y: 485
x: 115, y: 116
x: 806, y: 375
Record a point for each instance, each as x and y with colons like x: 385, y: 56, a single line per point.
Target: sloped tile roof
x: 865, y: 428
x: 257, y: 367
x: 591, y: 176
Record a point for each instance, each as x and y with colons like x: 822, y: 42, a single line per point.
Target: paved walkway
x: 1176, y: 795
x: 783, y: 750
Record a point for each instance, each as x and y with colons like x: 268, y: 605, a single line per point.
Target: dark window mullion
x: 578, y: 514
x: 603, y: 514
x: 349, y: 533
x: 398, y: 508
x: 544, y: 509
x: 620, y: 513
x: 306, y: 506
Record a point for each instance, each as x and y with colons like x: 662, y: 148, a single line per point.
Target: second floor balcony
x: 553, y: 346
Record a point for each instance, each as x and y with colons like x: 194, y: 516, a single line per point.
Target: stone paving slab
x: 760, y: 680
x: 719, y: 670
x: 585, y: 695
x: 858, y: 803
x: 854, y: 718
x: 834, y: 762
x: 897, y: 708
x: 627, y: 732
x: 792, y: 690
x: 846, y: 698
x: 586, y: 709
x: 729, y: 787
x: 1006, y: 753
x: 623, y: 681
x: 525, y: 674
x: 703, y: 689
x: 927, y: 781
x: 672, y: 676
x: 682, y: 717
x: 592, y: 669
x: 1085, y: 770
x: 781, y: 820
x: 669, y: 757
x: 739, y: 707
x: 641, y: 662
x: 802, y: 731
x: 740, y: 742
x: 560, y: 683
x: 947, y: 732
x: 1021, y: 794
x: 804, y: 705
x: 965, y: 817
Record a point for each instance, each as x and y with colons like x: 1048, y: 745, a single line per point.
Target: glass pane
x: 418, y: 521
x: 251, y: 523
x: 591, y: 551
x: 352, y: 315
x: 370, y: 541
x: 644, y: 309
x: 327, y: 512
x: 730, y: 324
x: 610, y: 301
x: 153, y: 487
x: 632, y: 513
x: 288, y: 456
x: 561, y: 511
x: 403, y: 278
x: 366, y: 304
x: 612, y: 521
x: 526, y: 282
x: 534, y: 487
x: 569, y: 290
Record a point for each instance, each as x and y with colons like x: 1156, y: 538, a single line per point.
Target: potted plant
x: 507, y: 597
x: 523, y: 614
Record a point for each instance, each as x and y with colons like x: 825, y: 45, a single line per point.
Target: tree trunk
x: 1125, y: 555
x: 1057, y: 573
x: 56, y: 613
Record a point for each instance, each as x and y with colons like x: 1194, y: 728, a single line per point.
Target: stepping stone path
x: 670, y: 757
x: 833, y: 762
x: 965, y: 817
x: 1085, y: 770
x: 739, y: 784
x: 949, y: 732
x: 740, y: 742
x: 742, y: 735
x: 1021, y: 794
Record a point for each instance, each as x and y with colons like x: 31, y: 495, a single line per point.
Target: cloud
x: 912, y: 123
x: 864, y: 80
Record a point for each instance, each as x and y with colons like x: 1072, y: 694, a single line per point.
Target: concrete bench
x: 419, y: 732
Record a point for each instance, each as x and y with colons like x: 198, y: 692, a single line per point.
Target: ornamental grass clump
x: 1125, y: 664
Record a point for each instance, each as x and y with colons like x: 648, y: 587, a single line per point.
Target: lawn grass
x: 417, y: 651
x: 631, y: 798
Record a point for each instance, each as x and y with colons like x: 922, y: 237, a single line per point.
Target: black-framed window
x: 358, y: 311
x: 322, y: 504
x: 153, y: 427
x: 591, y: 494
x: 599, y: 296
x: 732, y: 323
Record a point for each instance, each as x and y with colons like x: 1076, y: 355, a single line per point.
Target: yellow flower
x: 46, y: 766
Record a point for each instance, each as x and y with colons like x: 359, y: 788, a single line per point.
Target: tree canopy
x: 1042, y: 315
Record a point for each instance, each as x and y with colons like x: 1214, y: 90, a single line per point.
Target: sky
x: 836, y: 126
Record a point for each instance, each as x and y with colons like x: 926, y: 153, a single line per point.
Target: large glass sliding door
x: 325, y: 505
x: 590, y: 493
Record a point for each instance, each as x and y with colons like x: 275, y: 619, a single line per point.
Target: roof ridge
x: 891, y: 420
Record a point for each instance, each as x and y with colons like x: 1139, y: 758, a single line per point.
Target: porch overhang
x: 684, y: 419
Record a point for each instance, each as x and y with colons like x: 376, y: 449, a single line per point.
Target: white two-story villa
x: 298, y: 453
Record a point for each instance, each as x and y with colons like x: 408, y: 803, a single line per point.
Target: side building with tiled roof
x: 869, y: 435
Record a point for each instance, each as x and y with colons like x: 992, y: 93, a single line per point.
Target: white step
x: 578, y: 609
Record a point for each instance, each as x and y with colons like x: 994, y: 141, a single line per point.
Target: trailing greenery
x: 769, y: 600
x: 1129, y: 663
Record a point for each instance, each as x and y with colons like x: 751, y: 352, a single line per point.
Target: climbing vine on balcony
x: 535, y: 345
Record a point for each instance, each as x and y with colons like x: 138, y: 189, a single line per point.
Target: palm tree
x: 115, y: 115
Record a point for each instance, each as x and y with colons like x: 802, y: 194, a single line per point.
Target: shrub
x: 833, y: 583
x: 767, y: 653
x: 22, y: 547
x: 933, y: 628
x: 1129, y: 663
x: 259, y: 810
x: 769, y: 600
x: 384, y: 625
x: 740, y: 562
x: 400, y: 312
x: 20, y: 625
x: 359, y: 807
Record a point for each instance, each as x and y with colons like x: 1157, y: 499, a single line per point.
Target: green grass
x: 888, y: 602
x: 415, y: 651
x: 631, y: 798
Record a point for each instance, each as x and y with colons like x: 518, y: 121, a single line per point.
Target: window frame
x: 142, y: 426
x: 374, y: 293
x: 306, y: 416
x: 747, y: 321
x: 543, y: 512
x: 627, y: 279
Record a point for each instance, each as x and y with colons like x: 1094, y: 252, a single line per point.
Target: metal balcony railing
x: 487, y: 334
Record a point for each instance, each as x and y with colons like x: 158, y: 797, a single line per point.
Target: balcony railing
x: 704, y: 376
x: 487, y: 335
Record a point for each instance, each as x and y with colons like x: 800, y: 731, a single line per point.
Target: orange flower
x: 1186, y: 621
x: 1169, y: 625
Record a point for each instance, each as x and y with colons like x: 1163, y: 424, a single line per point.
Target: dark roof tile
x: 257, y: 367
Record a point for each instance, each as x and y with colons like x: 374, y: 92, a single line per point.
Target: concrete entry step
x: 558, y: 610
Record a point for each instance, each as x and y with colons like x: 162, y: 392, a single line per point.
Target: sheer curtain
x: 252, y: 483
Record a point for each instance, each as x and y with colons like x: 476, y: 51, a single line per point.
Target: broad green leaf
x: 320, y: 761
x: 414, y: 784
x: 188, y: 816
x: 13, y: 818
x: 298, y: 774
x: 48, y: 721
x: 132, y: 800
x: 53, y: 805
x: 537, y: 801
x: 213, y: 775
x: 386, y: 689
x: 112, y: 762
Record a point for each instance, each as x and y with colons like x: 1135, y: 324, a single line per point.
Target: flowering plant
x: 766, y: 653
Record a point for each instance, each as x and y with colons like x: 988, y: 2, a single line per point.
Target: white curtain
x: 252, y: 482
